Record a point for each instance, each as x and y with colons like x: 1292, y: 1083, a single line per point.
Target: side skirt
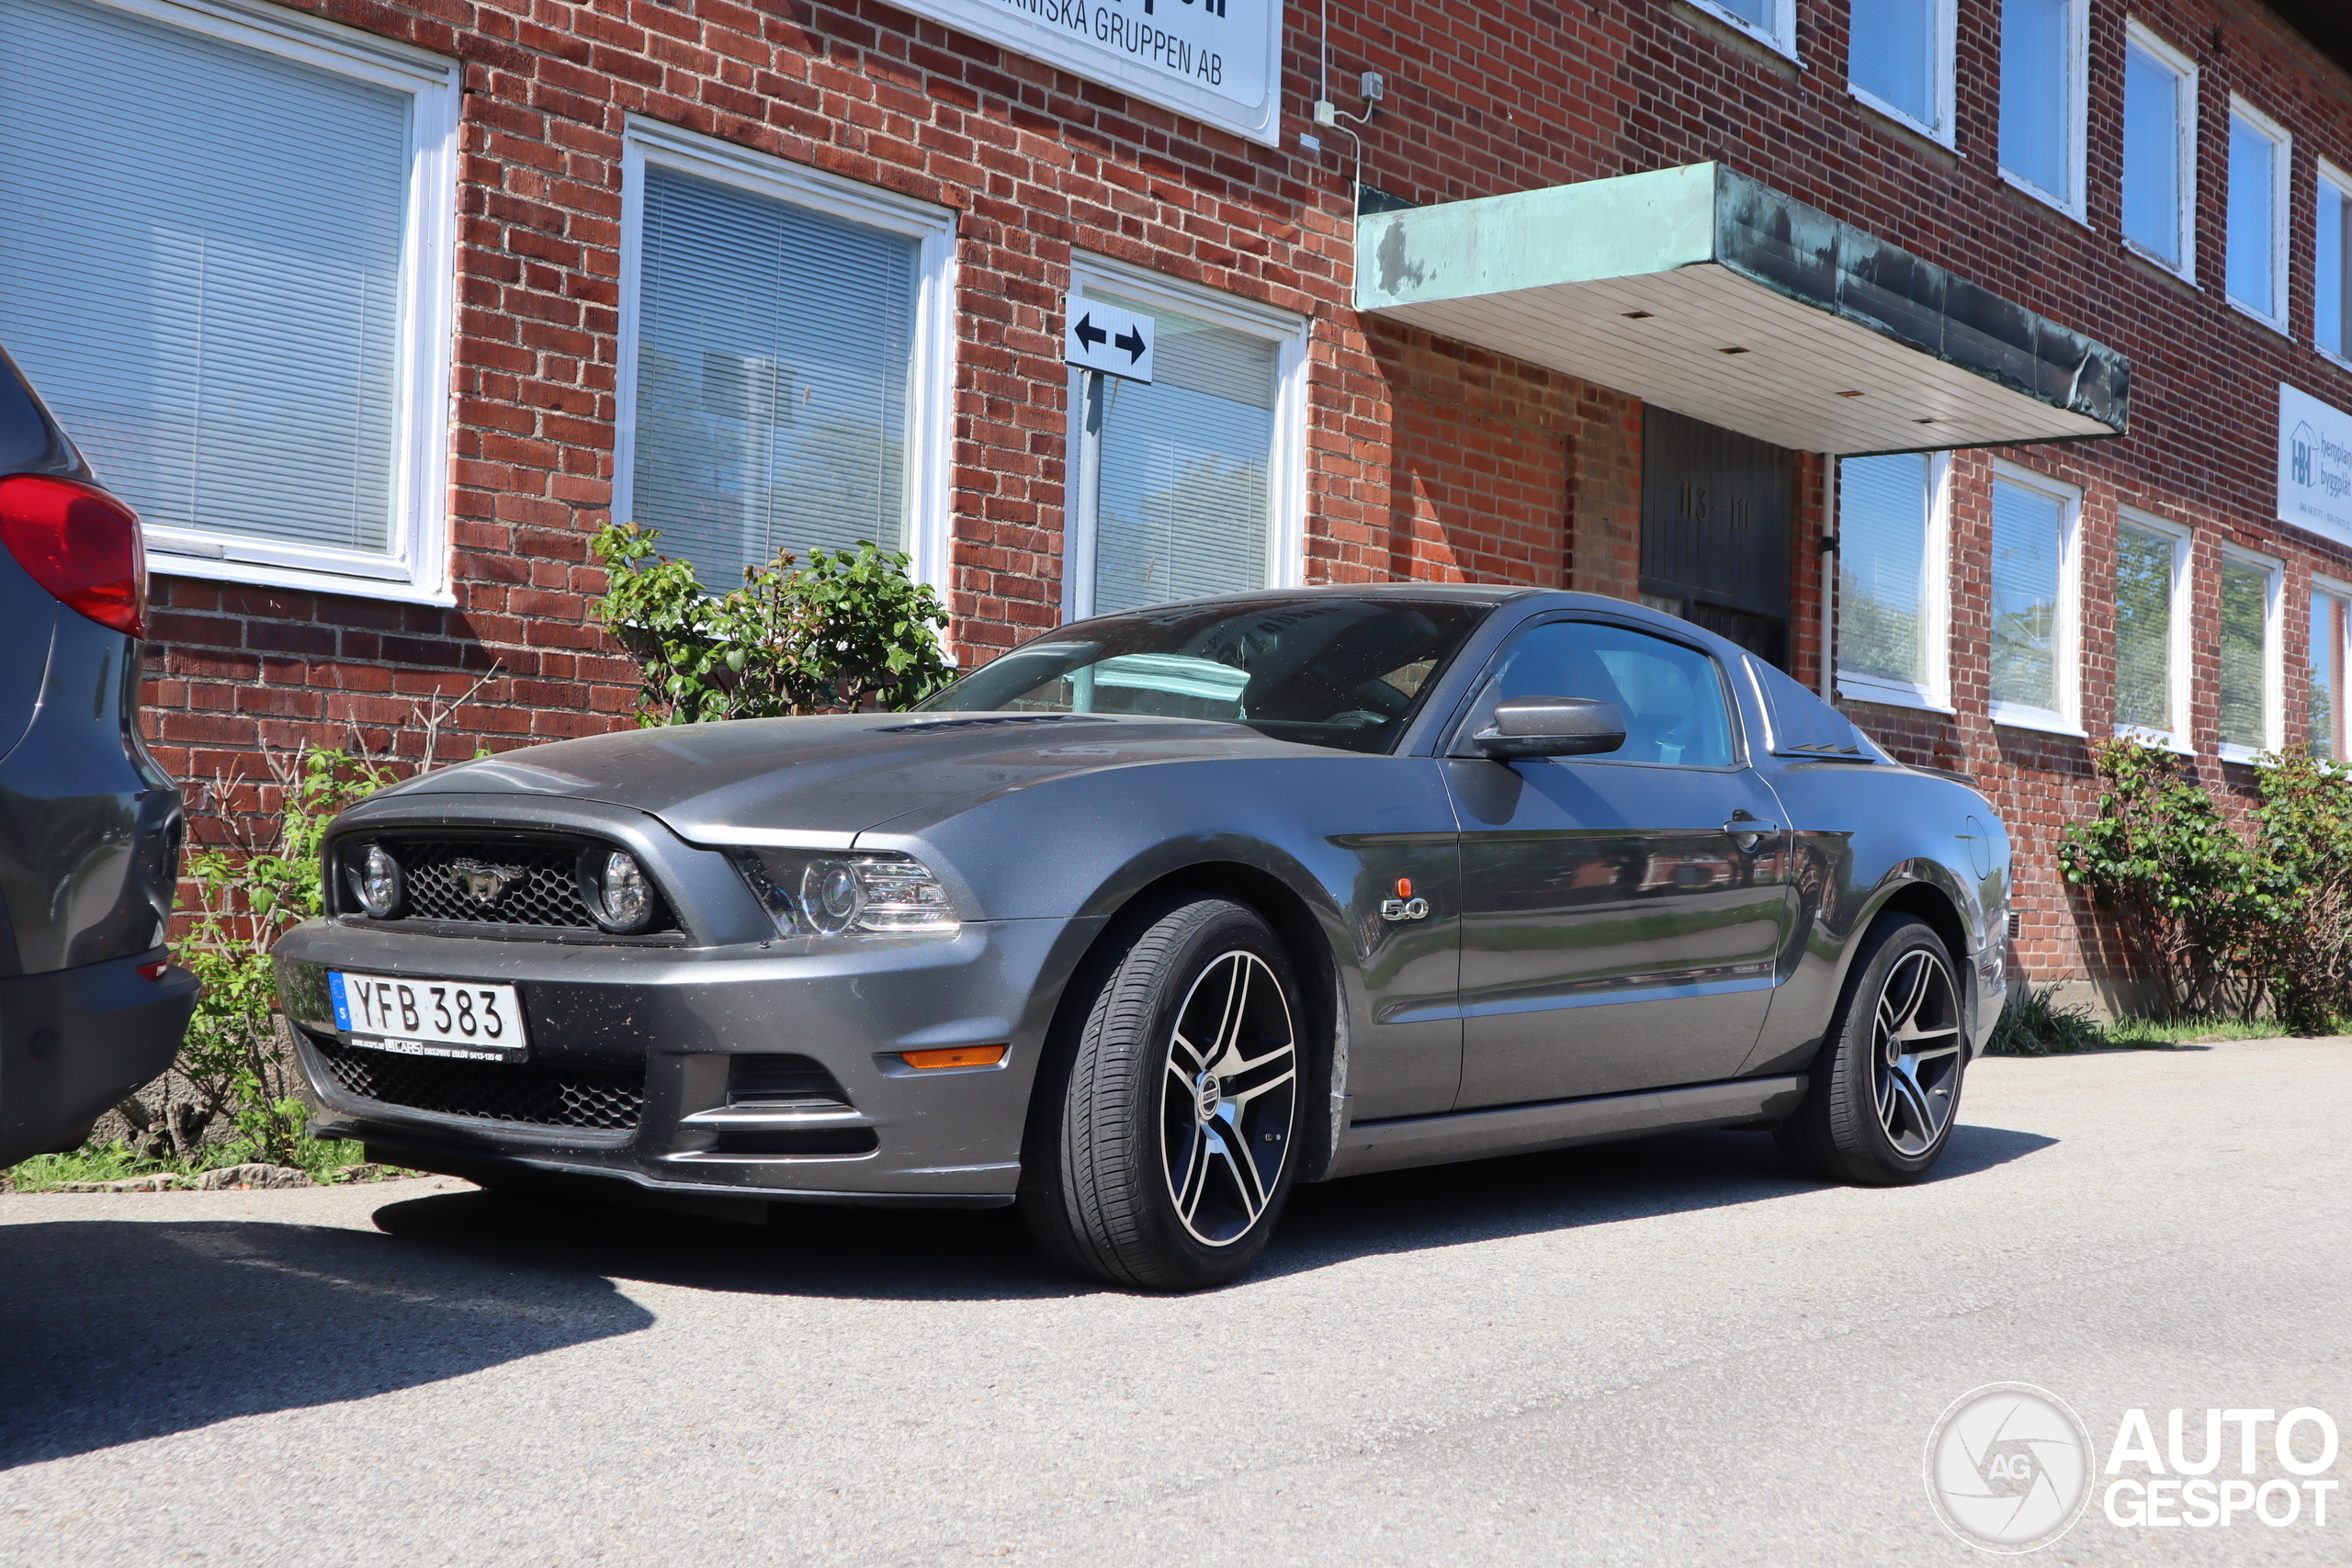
x: 1560, y: 1123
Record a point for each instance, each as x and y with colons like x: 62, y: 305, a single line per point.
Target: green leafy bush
x: 2032, y: 1025
x: 2185, y: 890
x: 2303, y: 850
x: 843, y: 632
x: 2226, y: 919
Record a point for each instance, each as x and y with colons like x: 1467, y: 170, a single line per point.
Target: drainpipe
x: 1828, y: 578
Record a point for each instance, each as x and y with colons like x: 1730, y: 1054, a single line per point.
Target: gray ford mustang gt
x: 1148, y: 920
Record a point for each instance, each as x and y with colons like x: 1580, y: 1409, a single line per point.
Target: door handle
x: 1748, y: 832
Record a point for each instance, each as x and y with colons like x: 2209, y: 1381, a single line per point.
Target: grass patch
x: 2032, y: 1025
x: 322, y: 1158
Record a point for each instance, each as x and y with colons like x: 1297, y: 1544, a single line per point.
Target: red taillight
x: 153, y: 971
x: 81, y: 543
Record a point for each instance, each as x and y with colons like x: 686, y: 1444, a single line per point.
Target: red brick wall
x: 1423, y: 459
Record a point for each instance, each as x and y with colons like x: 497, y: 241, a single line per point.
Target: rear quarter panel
x: 1860, y: 835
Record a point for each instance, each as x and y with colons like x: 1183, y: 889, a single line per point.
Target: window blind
x: 1883, y: 568
x: 2326, y: 669
x: 1757, y: 14
x: 2252, y: 161
x: 2246, y: 633
x: 2152, y: 184
x: 775, y: 351
x: 1183, y: 507
x: 2037, y: 92
x: 2331, y: 275
x: 2025, y: 544
x: 2143, y: 566
x: 1893, y: 55
x: 202, y: 270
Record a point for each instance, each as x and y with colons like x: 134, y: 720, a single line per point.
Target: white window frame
x: 1934, y: 630
x: 1781, y: 37
x: 415, y: 570
x: 2066, y: 634
x: 2337, y: 589
x: 2282, y: 188
x: 1947, y: 40
x: 2177, y: 676
x: 2336, y: 179
x: 930, y: 388
x: 2074, y: 200
x: 2274, y: 656
x: 1285, y: 462
x: 2185, y: 102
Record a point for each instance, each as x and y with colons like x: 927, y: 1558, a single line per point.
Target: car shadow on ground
x: 121, y: 1330
x: 918, y: 1255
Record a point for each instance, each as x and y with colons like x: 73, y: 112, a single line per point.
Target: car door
x: 1621, y: 918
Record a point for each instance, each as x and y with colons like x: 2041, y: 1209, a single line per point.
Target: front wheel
x: 1885, y: 1087
x: 1159, y: 1149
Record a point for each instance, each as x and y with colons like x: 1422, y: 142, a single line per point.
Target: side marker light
x: 956, y: 1057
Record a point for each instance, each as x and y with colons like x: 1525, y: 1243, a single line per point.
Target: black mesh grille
x: 541, y: 1094
x: 534, y: 881
x: 540, y: 886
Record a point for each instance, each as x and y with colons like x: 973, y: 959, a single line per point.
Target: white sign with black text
x: 2314, y: 464
x: 1096, y: 336
x: 1218, y: 61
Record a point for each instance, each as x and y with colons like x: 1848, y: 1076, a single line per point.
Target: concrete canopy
x: 1705, y: 292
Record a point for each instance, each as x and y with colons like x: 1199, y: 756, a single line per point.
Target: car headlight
x: 863, y: 893
x: 619, y: 896
x: 376, y: 881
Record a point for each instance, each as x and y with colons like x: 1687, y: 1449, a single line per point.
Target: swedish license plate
x: 428, y: 1018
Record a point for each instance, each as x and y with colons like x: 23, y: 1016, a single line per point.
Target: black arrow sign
x: 1132, y: 341
x: 1089, y: 335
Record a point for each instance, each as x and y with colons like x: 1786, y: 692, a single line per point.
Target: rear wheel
x: 1886, y: 1084
x: 1159, y: 1151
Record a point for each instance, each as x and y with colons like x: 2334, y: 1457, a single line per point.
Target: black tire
x: 1871, y: 1118
x: 1129, y: 1175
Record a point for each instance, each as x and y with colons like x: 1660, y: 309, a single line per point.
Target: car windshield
x: 1324, y: 671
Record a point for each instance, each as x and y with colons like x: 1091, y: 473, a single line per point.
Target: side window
x: 1671, y: 695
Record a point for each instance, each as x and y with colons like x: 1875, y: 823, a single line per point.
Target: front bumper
x: 73, y: 1042
x: 946, y: 1137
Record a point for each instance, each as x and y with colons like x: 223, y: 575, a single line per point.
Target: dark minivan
x: 90, y: 825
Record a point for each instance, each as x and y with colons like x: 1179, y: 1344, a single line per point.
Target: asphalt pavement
x: 1671, y: 1351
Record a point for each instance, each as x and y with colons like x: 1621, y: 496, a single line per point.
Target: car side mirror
x: 1552, y: 727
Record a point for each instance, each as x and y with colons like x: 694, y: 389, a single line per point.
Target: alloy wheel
x: 1916, y: 1051
x: 1228, y: 1097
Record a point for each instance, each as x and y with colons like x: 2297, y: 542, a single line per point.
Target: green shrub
x: 2304, y: 848
x: 844, y: 633
x: 2185, y: 890
x: 2032, y: 1025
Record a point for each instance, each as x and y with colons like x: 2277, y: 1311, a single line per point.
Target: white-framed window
x: 1894, y: 527
x: 2159, y: 151
x: 2036, y: 579
x: 2152, y: 628
x: 2045, y: 84
x: 1770, y: 22
x: 1191, y: 484
x: 2324, y: 730
x: 2332, y: 262
x: 2256, y: 252
x: 1899, y: 61
x: 786, y: 359
x: 227, y: 266
x: 2251, y: 668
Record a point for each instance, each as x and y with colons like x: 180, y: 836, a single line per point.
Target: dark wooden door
x: 1715, y: 512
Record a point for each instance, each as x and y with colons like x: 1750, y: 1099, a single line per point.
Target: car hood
x: 817, y: 783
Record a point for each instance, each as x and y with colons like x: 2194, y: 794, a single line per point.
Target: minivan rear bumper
x: 73, y: 1042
